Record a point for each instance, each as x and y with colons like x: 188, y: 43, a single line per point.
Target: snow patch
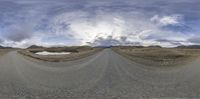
x: 52, y: 53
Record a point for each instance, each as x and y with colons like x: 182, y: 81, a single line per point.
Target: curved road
x: 105, y: 75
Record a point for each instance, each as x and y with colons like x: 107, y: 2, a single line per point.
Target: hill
x: 2, y: 47
x: 35, y: 47
x: 190, y: 47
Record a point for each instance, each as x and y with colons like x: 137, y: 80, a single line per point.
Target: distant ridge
x: 2, y: 47
x: 35, y: 47
x: 154, y: 46
x: 190, y: 46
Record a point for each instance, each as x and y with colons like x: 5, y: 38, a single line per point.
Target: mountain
x: 2, y: 47
x: 34, y: 47
x: 190, y: 47
x: 154, y: 46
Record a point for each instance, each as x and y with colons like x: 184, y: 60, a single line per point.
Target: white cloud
x: 167, y: 20
x: 88, y: 31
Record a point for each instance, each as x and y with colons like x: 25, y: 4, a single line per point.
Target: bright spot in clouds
x: 88, y: 31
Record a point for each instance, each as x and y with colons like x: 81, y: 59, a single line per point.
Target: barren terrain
x: 162, y: 57
x: 5, y: 51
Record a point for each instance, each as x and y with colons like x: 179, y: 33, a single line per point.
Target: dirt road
x: 105, y: 75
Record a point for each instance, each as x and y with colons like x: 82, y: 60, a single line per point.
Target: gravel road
x: 105, y: 75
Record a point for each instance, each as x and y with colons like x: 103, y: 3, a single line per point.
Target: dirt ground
x: 4, y: 51
x: 163, y: 57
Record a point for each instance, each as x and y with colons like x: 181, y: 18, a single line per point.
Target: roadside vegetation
x: 3, y: 51
x: 157, y: 56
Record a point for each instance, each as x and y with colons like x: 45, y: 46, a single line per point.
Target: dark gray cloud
x: 110, y: 41
x: 18, y: 33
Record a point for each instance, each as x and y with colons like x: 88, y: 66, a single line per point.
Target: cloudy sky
x: 99, y: 22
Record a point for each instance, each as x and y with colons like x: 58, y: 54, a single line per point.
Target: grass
x: 76, y: 53
x: 164, y: 57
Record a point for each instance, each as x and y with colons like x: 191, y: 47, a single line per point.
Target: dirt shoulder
x: 75, y: 54
x: 162, y: 57
x: 5, y: 51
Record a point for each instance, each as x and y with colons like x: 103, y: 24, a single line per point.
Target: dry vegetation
x: 77, y: 52
x: 163, y: 57
x: 4, y: 51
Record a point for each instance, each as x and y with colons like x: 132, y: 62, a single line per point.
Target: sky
x: 167, y: 23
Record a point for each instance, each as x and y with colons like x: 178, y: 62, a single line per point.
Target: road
x: 105, y: 75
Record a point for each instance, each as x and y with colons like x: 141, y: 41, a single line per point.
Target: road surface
x: 105, y: 75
